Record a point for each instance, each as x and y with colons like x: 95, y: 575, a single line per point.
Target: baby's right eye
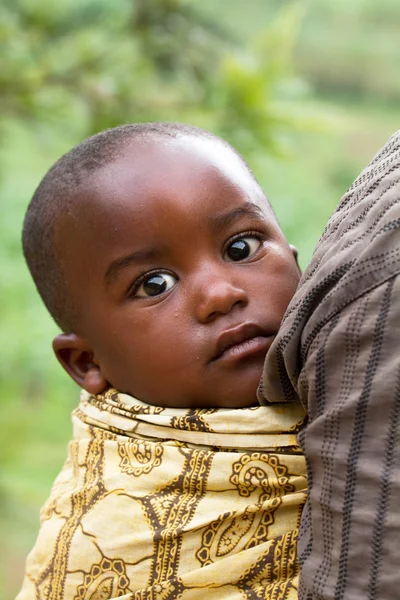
x: 156, y: 284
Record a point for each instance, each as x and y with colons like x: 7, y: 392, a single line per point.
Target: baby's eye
x: 156, y: 284
x: 242, y: 248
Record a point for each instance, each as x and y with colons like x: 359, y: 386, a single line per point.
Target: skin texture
x: 175, y: 210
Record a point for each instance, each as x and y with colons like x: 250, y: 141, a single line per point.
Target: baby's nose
x: 217, y: 296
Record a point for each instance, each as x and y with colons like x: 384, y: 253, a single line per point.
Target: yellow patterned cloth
x: 165, y: 504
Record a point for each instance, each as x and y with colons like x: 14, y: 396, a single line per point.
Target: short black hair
x: 56, y: 193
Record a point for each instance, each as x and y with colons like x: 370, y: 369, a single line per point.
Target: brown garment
x: 339, y: 351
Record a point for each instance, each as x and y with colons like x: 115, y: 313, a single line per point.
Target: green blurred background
x: 307, y: 91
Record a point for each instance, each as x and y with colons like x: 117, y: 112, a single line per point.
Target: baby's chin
x: 231, y: 401
x: 235, y: 388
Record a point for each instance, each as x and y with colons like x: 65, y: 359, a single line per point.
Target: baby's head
x: 160, y: 258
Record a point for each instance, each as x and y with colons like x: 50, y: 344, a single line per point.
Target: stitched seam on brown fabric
x: 370, y: 229
x: 320, y: 393
x: 387, y: 149
x: 351, y: 226
x: 288, y: 385
x: 354, y: 240
x: 348, y: 301
x: 320, y: 369
x: 390, y: 147
x: 307, y: 552
x: 334, y: 224
x: 333, y: 277
x: 349, y: 201
x: 294, y: 306
x: 384, y: 496
x: 371, y: 205
x: 357, y: 438
x: 374, y: 224
x: 330, y: 442
x: 363, y: 266
x: 362, y: 181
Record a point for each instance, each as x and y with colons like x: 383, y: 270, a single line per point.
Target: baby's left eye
x: 242, y: 248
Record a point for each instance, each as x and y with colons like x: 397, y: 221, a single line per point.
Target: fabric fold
x: 157, y: 503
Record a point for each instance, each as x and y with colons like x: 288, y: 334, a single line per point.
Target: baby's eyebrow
x: 135, y: 258
x: 222, y: 220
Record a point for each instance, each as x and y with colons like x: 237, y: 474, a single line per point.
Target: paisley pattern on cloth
x: 164, y: 504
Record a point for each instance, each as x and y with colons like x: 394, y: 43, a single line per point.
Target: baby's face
x: 182, y: 272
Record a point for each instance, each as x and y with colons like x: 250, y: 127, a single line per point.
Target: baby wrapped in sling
x: 172, y: 503
x: 169, y: 293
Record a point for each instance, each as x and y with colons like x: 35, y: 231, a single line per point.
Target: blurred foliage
x: 366, y: 61
x: 157, y: 59
x: 346, y: 48
x: 268, y: 75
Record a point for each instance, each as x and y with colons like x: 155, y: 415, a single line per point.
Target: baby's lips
x: 237, y: 335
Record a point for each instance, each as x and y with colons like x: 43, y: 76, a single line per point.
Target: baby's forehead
x: 152, y: 180
x: 176, y: 162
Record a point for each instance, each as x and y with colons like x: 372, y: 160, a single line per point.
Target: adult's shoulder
x: 358, y: 251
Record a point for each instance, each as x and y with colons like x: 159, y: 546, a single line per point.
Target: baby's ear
x: 76, y: 356
x: 295, y: 253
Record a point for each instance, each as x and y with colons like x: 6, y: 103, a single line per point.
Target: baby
x: 160, y: 258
